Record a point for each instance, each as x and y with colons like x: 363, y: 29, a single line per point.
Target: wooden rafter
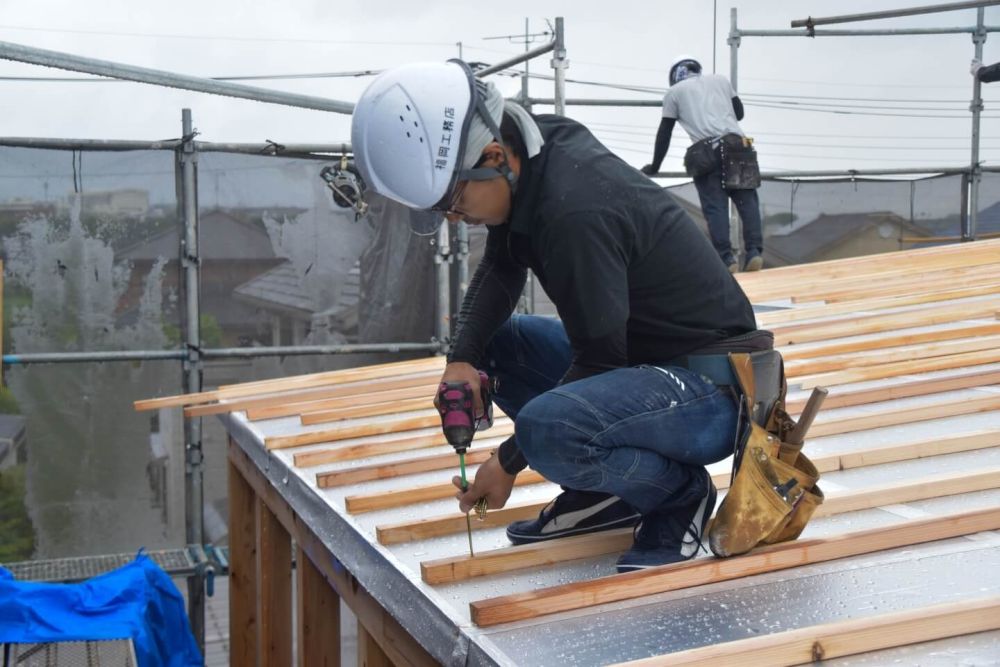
x: 402, y: 444
x: 448, y: 524
x: 840, y: 638
x: 883, y: 303
x: 841, y: 398
x: 615, y: 588
x: 508, y: 559
x: 796, y: 352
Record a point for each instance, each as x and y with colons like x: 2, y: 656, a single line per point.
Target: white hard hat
x: 409, y: 131
x: 683, y: 67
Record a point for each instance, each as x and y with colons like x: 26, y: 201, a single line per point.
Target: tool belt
x: 701, y: 157
x: 740, y: 170
x: 773, y: 491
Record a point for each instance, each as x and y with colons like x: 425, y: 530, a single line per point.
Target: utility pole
x: 528, y: 38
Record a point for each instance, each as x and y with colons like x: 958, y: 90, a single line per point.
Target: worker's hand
x: 649, y: 170
x: 459, y: 371
x: 975, y: 66
x: 492, y: 482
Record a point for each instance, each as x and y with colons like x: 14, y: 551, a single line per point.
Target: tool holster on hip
x: 773, y: 492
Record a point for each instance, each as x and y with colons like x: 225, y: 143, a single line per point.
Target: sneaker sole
x: 755, y: 264
x: 522, y: 538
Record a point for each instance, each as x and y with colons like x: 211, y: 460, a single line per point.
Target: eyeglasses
x: 456, y: 198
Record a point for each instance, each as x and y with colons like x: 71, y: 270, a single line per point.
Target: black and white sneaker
x: 574, y: 513
x: 672, y: 535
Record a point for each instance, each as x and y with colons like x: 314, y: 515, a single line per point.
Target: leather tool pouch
x: 701, y: 158
x: 773, y: 492
x: 740, y: 170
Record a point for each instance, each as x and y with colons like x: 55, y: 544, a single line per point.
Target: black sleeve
x: 990, y: 73
x: 738, y: 107
x: 662, y: 141
x: 491, y: 298
x: 511, y: 459
x: 586, y: 269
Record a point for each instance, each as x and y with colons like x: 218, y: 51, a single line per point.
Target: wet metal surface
x: 867, y: 585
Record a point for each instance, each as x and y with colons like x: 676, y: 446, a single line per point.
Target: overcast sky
x: 881, y: 81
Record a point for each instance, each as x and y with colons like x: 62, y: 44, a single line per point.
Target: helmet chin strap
x: 489, y: 173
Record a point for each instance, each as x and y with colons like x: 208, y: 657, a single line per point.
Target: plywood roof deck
x: 909, y: 442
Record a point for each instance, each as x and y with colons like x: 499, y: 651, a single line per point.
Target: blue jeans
x: 715, y: 205
x: 642, y: 434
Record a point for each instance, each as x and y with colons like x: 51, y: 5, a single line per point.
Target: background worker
x: 708, y: 109
x: 602, y: 401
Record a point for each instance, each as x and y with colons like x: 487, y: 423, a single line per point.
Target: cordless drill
x: 458, y: 414
x: 460, y: 422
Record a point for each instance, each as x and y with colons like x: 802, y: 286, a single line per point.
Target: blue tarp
x: 138, y: 602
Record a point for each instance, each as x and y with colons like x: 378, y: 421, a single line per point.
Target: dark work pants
x: 715, y: 205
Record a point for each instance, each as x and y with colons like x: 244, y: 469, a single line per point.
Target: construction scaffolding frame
x: 449, y: 250
x: 193, y: 355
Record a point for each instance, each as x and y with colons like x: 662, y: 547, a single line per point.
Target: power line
x: 800, y: 134
x: 228, y: 38
x: 250, y: 77
x: 860, y: 113
x: 662, y: 72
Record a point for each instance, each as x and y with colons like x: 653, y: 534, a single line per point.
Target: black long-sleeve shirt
x: 632, y: 277
x: 990, y: 73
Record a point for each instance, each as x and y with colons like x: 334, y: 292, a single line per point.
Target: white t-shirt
x: 703, y: 105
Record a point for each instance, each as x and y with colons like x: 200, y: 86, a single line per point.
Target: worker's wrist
x: 510, y: 457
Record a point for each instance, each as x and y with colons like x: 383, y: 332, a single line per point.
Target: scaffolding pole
x: 113, y: 145
x: 114, y: 70
x: 979, y: 33
x: 194, y: 511
x: 894, y: 13
x: 975, y: 169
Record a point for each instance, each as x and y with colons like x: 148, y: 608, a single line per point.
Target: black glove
x: 649, y: 170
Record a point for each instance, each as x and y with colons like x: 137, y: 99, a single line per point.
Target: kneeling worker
x: 627, y: 397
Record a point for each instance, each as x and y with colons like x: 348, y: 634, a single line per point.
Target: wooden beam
x: 615, y: 588
x: 370, y: 372
x: 274, y: 601
x: 448, y: 524
x: 348, y: 432
x: 292, y: 383
x: 318, y: 607
x: 794, y: 369
x: 796, y: 352
x: 962, y: 276
x: 832, y: 424
x: 244, y: 628
x: 387, y: 390
x: 370, y: 654
x: 334, y: 478
x: 882, y: 264
x: 883, y: 303
x: 508, y: 559
x: 862, y: 264
x: 399, y: 645
x: 895, y: 369
x: 813, y: 278
x: 855, y: 326
x: 424, y: 403
x: 821, y: 427
x: 840, y: 638
x: 364, y: 450
x: 840, y: 397
x: 908, y: 491
x: 387, y: 499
